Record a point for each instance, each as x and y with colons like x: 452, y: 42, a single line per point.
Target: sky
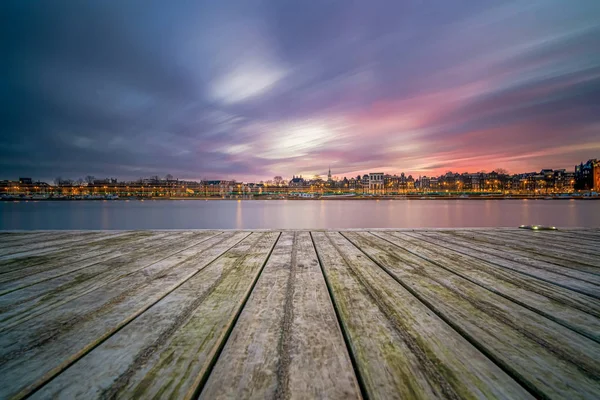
x: 252, y: 89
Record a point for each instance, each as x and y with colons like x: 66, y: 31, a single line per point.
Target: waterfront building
x: 410, y: 184
x: 559, y: 180
x: 390, y: 183
x: 569, y: 181
x: 596, y: 176
x: 345, y: 183
x: 376, y: 184
x: 365, y: 183
x: 297, y: 182
x: 434, y: 184
x: 514, y: 183
x: 584, y: 175
x: 464, y: 182
x: 353, y: 184
x: 402, y: 184
x: 475, y: 182
x: 254, y: 188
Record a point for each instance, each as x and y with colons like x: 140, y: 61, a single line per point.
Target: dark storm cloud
x: 258, y: 88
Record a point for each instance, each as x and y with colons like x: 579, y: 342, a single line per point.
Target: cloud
x: 254, y: 89
x: 246, y: 80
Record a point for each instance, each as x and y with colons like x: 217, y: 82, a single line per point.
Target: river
x: 296, y: 214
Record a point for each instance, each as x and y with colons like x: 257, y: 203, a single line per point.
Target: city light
x: 584, y: 181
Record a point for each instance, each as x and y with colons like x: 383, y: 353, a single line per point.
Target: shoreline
x: 326, y: 198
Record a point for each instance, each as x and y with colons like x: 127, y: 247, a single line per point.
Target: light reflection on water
x: 300, y: 214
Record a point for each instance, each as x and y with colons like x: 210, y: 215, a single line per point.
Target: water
x: 295, y: 214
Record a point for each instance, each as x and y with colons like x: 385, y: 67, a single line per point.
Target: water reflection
x: 239, y: 223
x: 299, y: 214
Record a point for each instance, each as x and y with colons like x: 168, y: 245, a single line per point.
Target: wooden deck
x: 382, y: 314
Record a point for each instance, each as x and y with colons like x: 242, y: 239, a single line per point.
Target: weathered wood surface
x: 169, y: 348
x: 495, y: 324
x: 566, y: 245
x: 583, y: 265
x: 64, y: 241
x: 573, y: 310
x: 526, y: 265
x: 18, y: 267
x: 403, y: 350
x: 287, y: 342
x: 35, y: 299
x: 570, y: 254
x: 55, y: 339
x: 482, y: 313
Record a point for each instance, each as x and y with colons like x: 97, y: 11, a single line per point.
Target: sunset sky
x: 249, y: 90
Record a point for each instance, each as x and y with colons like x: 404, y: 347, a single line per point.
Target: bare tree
x: 58, y: 180
x: 90, y: 179
x: 169, y: 177
x: 278, y: 180
x: 501, y: 171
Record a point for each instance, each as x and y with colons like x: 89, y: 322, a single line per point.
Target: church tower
x: 329, y: 174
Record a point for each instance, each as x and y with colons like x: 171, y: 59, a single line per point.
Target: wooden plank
x: 549, y: 272
x: 166, y: 351
x: 585, y: 265
x: 22, y: 304
x: 30, y: 269
x: 69, y: 247
x: 101, y: 250
x: 16, y: 238
x: 37, y: 261
x: 56, y: 339
x: 26, y: 236
x: 589, y: 303
x: 545, y: 248
x: 287, y: 342
x: 569, y: 257
x: 588, y: 234
x: 566, y: 245
x: 402, y: 349
x: 569, y: 234
x: 62, y: 241
x: 549, y: 359
x: 576, y: 311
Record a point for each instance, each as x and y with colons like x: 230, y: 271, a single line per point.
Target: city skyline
x: 284, y: 180
x: 250, y: 90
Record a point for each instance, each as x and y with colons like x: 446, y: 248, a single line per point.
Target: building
x: 297, y: 182
x: 410, y: 184
x: 476, y: 182
x: 214, y: 187
x: 112, y: 181
x: 596, y: 175
x: 376, y: 182
x: 391, y: 183
x: 584, y: 175
x: 559, y: 180
x: 364, y: 183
